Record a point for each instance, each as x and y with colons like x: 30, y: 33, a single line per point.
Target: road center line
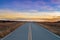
x: 30, y: 32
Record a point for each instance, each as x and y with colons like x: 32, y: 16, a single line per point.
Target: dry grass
x: 8, y: 26
x: 51, y: 26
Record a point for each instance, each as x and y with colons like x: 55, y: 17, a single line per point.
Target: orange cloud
x: 46, y: 16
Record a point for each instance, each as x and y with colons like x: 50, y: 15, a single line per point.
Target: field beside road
x: 8, y: 26
x: 51, y: 26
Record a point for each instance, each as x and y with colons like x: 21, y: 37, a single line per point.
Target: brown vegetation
x: 51, y: 26
x: 8, y: 26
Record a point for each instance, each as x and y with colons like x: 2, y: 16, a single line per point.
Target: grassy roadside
x: 8, y: 26
x: 51, y: 26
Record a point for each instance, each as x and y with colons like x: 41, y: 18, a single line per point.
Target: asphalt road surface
x: 31, y: 31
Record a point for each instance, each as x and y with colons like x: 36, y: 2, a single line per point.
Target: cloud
x: 55, y: 1
x: 30, y: 13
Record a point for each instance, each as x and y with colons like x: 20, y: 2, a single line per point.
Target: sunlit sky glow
x: 30, y: 7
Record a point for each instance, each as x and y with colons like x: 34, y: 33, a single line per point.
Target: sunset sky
x: 29, y: 8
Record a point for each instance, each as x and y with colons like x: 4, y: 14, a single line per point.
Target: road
x: 31, y: 31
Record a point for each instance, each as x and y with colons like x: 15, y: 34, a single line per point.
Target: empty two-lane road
x: 30, y: 31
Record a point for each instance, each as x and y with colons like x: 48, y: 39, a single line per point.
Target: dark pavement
x: 32, y: 30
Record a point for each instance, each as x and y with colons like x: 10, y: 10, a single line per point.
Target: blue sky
x: 30, y: 7
x: 27, y: 5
